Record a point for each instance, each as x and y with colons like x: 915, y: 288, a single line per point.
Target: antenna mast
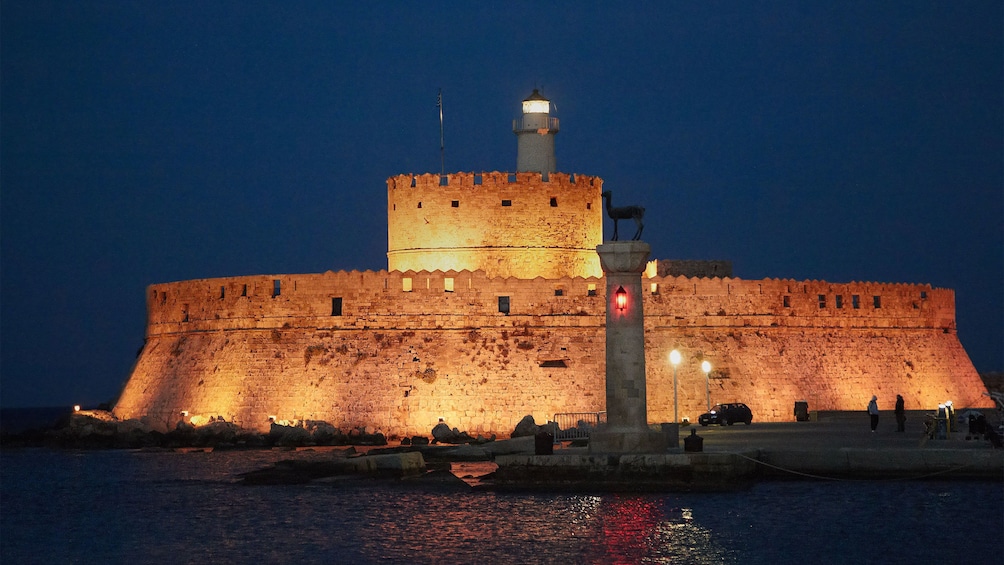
x: 442, y: 146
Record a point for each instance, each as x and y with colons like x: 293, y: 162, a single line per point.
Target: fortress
x: 493, y: 307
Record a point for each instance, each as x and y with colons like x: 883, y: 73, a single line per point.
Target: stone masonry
x: 397, y: 350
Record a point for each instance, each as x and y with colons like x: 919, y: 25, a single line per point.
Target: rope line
x: 825, y: 478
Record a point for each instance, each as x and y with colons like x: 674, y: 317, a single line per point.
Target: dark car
x: 727, y: 414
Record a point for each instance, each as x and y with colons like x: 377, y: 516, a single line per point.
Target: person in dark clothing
x: 900, y: 414
x: 873, y: 412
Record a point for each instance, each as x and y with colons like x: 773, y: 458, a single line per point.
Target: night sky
x: 149, y: 142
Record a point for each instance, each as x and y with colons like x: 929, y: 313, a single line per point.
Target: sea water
x: 137, y: 507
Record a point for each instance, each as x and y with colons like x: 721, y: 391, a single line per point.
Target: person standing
x: 900, y: 414
x: 873, y: 413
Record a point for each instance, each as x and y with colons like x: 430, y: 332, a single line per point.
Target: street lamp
x: 621, y: 298
x: 706, y: 367
x: 674, y: 358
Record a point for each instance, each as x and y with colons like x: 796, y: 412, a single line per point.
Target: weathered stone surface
x: 526, y: 427
x: 426, y: 232
x: 524, y: 445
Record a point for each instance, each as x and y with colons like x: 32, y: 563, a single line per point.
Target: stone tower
x: 535, y: 131
x: 533, y: 223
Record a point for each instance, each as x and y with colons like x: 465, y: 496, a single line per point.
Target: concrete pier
x: 836, y: 446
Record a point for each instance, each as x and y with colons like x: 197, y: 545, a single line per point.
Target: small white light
x: 674, y: 357
x: 76, y: 408
x: 706, y: 366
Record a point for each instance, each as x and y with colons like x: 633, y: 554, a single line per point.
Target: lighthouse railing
x: 531, y: 124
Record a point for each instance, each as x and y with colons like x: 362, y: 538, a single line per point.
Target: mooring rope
x: 825, y: 478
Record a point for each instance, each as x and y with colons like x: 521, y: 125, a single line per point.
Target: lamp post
x: 706, y: 367
x: 674, y: 358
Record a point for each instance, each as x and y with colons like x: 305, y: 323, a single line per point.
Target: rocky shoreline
x: 832, y: 449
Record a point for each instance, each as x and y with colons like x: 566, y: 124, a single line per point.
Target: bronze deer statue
x: 635, y: 213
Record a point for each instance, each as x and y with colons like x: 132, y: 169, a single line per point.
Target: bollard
x: 543, y: 443
x: 693, y: 442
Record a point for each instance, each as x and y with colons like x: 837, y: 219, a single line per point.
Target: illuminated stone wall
x: 506, y: 224
x: 358, y: 349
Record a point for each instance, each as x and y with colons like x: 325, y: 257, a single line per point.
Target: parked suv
x: 727, y: 414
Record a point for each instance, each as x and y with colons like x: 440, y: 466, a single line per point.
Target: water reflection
x: 124, y: 507
x: 645, y: 528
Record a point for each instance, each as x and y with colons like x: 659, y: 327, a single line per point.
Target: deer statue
x: 635, y: 213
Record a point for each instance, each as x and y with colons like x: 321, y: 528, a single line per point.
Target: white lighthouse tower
x: 535, y: 131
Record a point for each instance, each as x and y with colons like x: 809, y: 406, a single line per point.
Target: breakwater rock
x: 395, y: 465
x: 99, y: 429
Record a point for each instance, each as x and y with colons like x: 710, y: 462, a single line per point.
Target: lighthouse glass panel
x: 536, y: 106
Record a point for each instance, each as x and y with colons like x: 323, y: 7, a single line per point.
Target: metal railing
x: 527, y: 124
x: 570, y: 426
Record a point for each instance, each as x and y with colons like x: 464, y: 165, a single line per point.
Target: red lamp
x: 620, y: 297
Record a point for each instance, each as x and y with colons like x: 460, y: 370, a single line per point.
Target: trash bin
x: 693, y: 442
x: 801, y: 411
x: 543, y: 443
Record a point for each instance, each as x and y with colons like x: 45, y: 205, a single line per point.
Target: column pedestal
x: 627, y: 428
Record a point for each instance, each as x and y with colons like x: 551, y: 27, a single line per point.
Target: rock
x: 370, y: 439
x: 443, y: 434
x: 419, y: 440
x: 526, y: 427
x: 322, y: 432
x: 216, y: 433
x: 288, y: 436
x: 522, y: 445
x: 468, y: 452
x: 299, y: 471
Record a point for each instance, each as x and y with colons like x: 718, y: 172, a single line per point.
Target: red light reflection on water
x: 630, y: 525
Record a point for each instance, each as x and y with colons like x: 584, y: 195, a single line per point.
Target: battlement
x: 459, y: 299
x: 507, y: 224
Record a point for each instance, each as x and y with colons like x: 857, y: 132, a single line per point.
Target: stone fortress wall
x: 520, y: 225
x: 397, y: 350
x: 492, y: 308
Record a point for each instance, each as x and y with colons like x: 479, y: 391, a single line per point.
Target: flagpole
x: 442, y: 145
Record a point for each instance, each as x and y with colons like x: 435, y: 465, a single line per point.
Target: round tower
x: 535, y: 131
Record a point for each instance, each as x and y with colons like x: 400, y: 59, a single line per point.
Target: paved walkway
x: 832, y: 430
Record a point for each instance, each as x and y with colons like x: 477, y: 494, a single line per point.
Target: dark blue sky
x: 147, y: 142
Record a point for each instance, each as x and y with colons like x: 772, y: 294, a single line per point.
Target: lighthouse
x: 535, y: 131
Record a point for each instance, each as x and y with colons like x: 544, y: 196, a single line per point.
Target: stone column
x: 627, y: 428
